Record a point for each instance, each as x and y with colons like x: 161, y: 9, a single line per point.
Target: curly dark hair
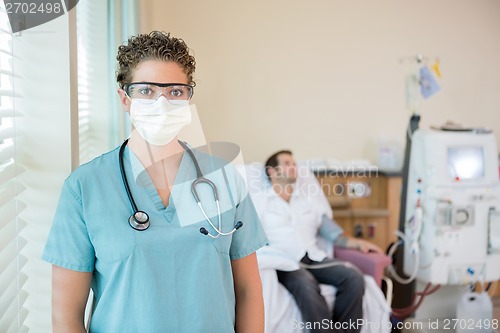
x: 156, y: 45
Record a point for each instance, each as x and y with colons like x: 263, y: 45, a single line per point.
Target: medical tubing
x: 323, y: 265
x: 417, y: 220
x: 330, y: 264
x: 414, y: 306
x: 494, y: 288
x: 407, y: 311
x: 391, y: 252
x: 124, y: 179
x: 484, y: 287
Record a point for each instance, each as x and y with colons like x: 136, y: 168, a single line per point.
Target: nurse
x: 169, y: 277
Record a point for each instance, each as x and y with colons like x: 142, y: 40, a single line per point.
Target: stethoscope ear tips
x: 204, y: 231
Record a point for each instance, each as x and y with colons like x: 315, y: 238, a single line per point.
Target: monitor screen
x: 466, y: 162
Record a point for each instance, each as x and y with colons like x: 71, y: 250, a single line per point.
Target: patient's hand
x: 364, y: 246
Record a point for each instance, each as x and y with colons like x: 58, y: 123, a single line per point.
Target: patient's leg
x: 305, y: 290
x: 350, y: 284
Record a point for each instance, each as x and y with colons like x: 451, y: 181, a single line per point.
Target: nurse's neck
x: 150, y: 155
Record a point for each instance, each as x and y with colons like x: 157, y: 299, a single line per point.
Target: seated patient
x: 292, y: 221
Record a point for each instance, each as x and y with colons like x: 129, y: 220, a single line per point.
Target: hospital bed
x: 281, y: 312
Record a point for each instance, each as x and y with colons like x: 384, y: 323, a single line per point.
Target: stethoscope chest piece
x: 139, y: 220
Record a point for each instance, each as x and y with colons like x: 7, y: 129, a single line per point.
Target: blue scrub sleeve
x: 69, y: 245
x: 251, y: 236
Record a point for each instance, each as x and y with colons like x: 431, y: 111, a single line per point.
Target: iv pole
x: 405, y: 291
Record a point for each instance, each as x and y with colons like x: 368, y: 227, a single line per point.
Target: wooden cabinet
x: 365, y: 203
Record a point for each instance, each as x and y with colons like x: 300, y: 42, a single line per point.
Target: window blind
x: 12, y: 279
x: 93, y: 81
x: 101, y: 27
x: 36, y: 157
x: 36, y: 136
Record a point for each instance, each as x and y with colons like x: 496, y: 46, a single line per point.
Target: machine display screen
x: 466, y: 162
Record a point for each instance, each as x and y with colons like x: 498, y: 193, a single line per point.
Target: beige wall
x: 323, y: 77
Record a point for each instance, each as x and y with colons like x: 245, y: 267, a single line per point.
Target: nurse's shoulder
x: 101, y: 170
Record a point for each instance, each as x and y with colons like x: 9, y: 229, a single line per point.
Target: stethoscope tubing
x: 139, y: 220
x: 124, y: 177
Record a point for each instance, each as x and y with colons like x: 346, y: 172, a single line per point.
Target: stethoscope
x: 139, y: 220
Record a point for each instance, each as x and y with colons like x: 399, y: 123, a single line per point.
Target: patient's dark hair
x: 156, y: 45
x: 272, y: 162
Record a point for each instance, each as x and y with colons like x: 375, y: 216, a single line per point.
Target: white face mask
x: 159, y: 122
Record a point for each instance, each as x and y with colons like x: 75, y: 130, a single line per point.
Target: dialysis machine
x: 452, y: 225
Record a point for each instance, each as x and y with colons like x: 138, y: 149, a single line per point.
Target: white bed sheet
x: 282, y: 313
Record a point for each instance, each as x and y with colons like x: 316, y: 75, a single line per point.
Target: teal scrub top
x: 170, y: 277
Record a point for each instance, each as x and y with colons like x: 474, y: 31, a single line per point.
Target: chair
x: 281, y: 312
